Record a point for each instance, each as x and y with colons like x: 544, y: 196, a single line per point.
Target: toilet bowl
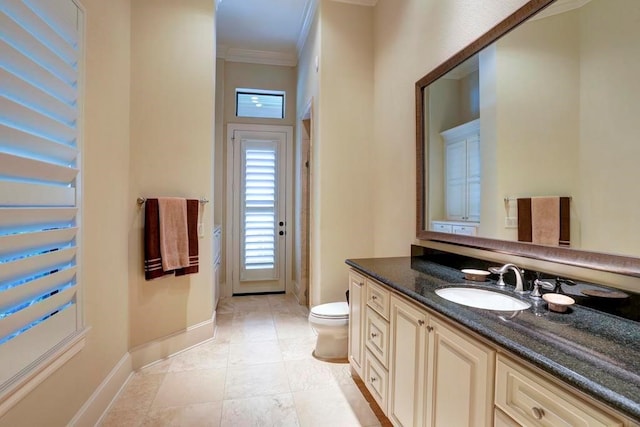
x: 331, y: 324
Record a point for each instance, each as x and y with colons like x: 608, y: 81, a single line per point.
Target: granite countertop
x: 595, y: 352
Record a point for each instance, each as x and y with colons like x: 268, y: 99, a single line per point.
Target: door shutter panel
x: 259, y: 211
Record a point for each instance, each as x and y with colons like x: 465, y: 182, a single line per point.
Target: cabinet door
x: 356, y: 315
x: 473, y: 179
x: 456, y: 171
x: 459, y: 379
x: 407, y: 364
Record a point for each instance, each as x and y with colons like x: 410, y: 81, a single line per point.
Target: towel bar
x: 513, y: 199
x: 141, y: 200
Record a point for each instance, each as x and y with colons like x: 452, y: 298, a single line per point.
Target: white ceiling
x: 265, y: 31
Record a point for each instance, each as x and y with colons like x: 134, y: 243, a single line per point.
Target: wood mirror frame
x: 619, y: 264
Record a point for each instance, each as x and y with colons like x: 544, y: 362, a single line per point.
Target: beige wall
x: 105, y: 223
x: 172, y: 117
x: 341, y: 153
x: 609, y: 112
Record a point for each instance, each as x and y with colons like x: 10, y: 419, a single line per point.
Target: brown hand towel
x: 152, y: 257
x: 193, y: 206
x: 544, y: 220
x: 174, y: 240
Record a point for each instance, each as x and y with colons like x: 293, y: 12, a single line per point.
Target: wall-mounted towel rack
x: 141, y: 200
x: 513, y: 199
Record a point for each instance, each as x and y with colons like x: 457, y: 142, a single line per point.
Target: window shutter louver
x: 39, y: 173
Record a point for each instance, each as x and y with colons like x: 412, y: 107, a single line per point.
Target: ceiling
x: 266, y: 31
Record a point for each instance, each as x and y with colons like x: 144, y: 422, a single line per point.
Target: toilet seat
x: 332, y: 310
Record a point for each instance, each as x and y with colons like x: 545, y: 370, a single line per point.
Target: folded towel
x: 174, y: 240
x: 152, y: 257
x: 193, y: 206
x: 544, y: 220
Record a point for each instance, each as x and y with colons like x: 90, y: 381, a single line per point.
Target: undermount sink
x: 482, y: 298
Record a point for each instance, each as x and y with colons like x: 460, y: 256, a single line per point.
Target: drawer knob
x: 373, y: 335
x: 373, y: 379
x: 537, y: 413
x: 374, y: 297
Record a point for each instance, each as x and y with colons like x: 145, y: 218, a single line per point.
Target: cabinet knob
x: 372, y: 379
x: 374, y: 297
x: 537, y: 413
x: 373, y: 335
x: 420, y: 322
x: 429, y: 328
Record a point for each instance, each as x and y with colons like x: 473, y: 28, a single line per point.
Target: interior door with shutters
x: 259, y: 211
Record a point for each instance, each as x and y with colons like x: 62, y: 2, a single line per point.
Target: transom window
x: 260, y: 104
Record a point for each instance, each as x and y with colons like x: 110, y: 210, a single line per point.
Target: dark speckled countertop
x: 593, y: 351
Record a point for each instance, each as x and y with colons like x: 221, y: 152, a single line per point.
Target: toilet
x: 331, y: 324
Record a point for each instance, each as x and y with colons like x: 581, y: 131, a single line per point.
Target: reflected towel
x: 544, y: 220
x: 174, y: 239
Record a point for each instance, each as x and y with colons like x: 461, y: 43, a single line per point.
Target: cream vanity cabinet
x: 356, y: 319
x: 452, y: 227
x: 414, y: 363
x: 423, y: 370
x: 438, y: 375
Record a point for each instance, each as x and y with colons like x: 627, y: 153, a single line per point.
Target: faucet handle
x: 559, y: 282
x: 500, y: 272
x: 537, y: 284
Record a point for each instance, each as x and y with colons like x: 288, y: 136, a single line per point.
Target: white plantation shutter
x: 39, y: 173
x: 260, y: 209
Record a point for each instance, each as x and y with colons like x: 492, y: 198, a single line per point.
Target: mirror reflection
x: 542, y: 125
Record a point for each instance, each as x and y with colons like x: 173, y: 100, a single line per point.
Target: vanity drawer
x: 534, y: 401
x: 441, y: 228
x: 464, y: 230
x: 377, y: 336
x: 376, y: 378
x: 378, y: 298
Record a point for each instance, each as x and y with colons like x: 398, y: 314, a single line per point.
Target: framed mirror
x: 543, y: 107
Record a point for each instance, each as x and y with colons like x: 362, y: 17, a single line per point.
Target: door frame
x: 230, y: 248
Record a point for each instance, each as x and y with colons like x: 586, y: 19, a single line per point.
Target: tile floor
x: 256, y: 371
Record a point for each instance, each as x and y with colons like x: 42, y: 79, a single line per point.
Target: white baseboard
x: 164, y: 347
x: 97, y: 405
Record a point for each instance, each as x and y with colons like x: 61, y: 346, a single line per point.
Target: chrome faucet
x: 505, y: 268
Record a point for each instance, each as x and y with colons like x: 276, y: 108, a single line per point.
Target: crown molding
x: 560, y: 6
x: 359, y: 2
x: 250, y: 56
x: 307, y: 19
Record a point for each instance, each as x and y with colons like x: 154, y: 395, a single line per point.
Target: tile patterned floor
x: 257, y: 371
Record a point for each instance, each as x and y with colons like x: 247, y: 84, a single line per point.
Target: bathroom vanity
x: 431, y: 362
